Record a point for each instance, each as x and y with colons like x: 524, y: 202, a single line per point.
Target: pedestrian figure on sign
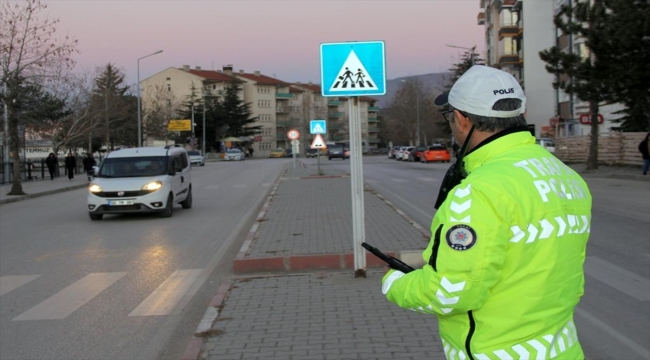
x: 89, y: 162
x: 70, y: 165
x: 347, y: 76
x: 360, y: 77
x: 51, y: 163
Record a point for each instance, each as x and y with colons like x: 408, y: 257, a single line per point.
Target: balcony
x: 373, y: 108
x: 282, y: 109
x: 508, y: 31
x: 372, y: 120
x: 481, y: 18
x: 335, y: 115
x: 282, y: 124
x: 373, y: 129
x: 283, y: 96
x: 281, y: 137
x: 334, y: 103
x: 521, y: 57
x: 508, y: 59
x: 336, y: 127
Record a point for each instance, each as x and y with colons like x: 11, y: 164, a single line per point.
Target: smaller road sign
x: 318, y: 127
x: 293, y: 134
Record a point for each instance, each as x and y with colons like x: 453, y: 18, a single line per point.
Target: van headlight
x: 152, y: 186
x: 94, y: 188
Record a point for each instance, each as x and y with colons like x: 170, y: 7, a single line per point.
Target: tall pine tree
x: 235, y: 113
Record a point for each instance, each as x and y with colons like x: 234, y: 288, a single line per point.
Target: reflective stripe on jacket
x: 505, y: 262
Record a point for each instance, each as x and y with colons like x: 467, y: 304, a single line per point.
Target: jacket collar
x: 497, y: 144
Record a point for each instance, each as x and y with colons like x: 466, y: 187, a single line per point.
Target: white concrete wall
x: 539, y: 34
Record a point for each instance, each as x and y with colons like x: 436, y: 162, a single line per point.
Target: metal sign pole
x: 358, y: 228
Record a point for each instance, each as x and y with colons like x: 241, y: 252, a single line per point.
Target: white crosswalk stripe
x: 66, y: 301
x: 162, y: 301
x: 12, y: 282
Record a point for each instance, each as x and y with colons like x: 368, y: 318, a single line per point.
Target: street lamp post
x: 139, y: 115
x: 203, y: 137
x: 417, y: 115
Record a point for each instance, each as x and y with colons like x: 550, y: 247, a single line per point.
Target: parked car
x: 234, y: 155
x: 383, y: 151
x: 406, y: 152
x: 436, y: 153
x: 546, y: 143
x: 196, y: 158
x: 278, y: 153
x: 335, y: 151
x: 290, y: 153
x: 416, y: 154
x: 400, y: 152
x: 392, y: 154
x: 141, y: 180
x: 346, y: 152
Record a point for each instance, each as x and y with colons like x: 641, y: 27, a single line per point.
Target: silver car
x: 234, y: 155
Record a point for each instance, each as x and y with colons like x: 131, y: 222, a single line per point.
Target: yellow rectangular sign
x: 179, y: 125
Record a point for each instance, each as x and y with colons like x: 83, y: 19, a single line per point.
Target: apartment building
x: 278, y: 105
x: 515, y: 32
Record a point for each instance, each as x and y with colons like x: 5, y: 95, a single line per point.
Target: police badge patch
x: 461, y: 237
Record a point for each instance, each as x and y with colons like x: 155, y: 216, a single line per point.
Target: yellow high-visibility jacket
x: 504, y: 267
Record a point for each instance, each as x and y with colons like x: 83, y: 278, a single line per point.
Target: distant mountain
x: 434, y: 82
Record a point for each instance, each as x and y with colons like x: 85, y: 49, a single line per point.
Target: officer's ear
x: 462, y: 122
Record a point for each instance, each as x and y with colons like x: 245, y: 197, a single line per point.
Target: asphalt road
x: 613, y: 317
x: 126, y: 287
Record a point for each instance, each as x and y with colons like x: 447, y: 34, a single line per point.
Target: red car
x: 435, y: 153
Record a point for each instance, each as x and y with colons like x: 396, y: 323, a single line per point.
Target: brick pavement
x: 318, y: 316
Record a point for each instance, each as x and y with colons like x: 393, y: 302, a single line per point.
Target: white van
x: 141, y: 180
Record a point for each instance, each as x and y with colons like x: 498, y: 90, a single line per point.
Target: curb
x: 35, y: 195
x: 193, y: 348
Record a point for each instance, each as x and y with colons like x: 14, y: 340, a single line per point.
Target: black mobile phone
x: 393, y: 262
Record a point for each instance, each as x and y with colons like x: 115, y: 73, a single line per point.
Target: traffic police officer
x: 504, y: 267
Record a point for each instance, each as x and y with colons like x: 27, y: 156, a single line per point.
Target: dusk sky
x: 278, y: 38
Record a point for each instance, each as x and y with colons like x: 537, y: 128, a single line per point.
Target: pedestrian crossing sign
x: 353, y: 68
x: 318, y: 127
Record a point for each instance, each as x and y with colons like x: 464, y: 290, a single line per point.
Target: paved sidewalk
x: 40, y: 187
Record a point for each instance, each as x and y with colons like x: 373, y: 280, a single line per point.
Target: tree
x: 31, y: 51
x: 157, y: 112
x: 236, y: 114
x: 628, y: 44
x: 615, y: 69
x: 110, y: 94
x: 467, y: 60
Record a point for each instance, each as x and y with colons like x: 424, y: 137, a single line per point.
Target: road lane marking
x: 618, y: 278
x: 629, y: 344
x: 66, y: 301
x: 398, y: 180
x: 11, y: 282
x: 428, y: 179
x: 162, y: 300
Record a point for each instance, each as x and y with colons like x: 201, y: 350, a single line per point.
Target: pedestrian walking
x: 89, y: 162
x: 504, y: 266
x: 644, y: 149
x: 70, y: 165
x: 51, y: 162
x: 250, y: 150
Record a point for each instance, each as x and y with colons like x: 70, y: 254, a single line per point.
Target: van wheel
x: 169, y: 209
x: 187, y: 203
x: 96, y: 216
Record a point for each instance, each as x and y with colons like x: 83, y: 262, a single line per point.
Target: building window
x: 508, y: 17
x: 169, y: 88
x: 169, y: 79
x: 508, y: 46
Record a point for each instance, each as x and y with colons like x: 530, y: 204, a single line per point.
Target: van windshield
x: 133, y: 167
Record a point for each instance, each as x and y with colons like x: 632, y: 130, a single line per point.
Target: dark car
x: 416, y: 154
x: 290, y: 153
x: 335, y: 151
